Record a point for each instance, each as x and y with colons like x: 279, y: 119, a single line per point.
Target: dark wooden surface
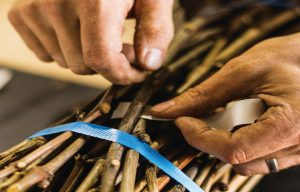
x: 30, y: 103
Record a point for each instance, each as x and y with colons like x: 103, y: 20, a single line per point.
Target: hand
x: 269, y: 71
x: 85, y: 35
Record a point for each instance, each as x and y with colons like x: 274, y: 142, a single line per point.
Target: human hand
x: 269, y: 71
x: 85, y: 36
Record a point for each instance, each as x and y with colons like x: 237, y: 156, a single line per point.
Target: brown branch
x: 93, y: 177
x: 181, y: 163
x: 13, y: 149
x: 132, y: 159
x: 204, y: 172
x: 151, y: 178
x: 22, y: 163
x: 191, y: 173
x: 115, y: 152
x: 43, y: 174
x: 73, y: 177
x: 215, y: 175
x: 236, y: 182
x: 251, y: 183
x: 254, y: 34
x: 22, y: 151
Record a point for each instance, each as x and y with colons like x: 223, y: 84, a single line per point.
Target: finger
x: 248, y: 143
x: 101, y: 28
x: 226, y: 85
x: 28, y: 36
x: 154, y: 32
x: 66, y: 25
x: 285, y: 158
x: 128, y: 51
x: 38, y: 24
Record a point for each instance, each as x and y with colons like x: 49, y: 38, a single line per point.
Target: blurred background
x: 34, y: 94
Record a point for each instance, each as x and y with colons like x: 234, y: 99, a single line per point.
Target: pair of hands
x: 85, y: 36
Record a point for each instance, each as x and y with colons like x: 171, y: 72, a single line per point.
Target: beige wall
x: 15, y: 55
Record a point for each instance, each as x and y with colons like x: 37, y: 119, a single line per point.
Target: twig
x: 214, y: 176
x: 112, y: 163
x: 151, y: 178
x: 72, y: 179
x: 203, y: 173
x: 13, y: 149
x: 191, y: 173
x: 132, y: 158
x: 170, y: 154
x: 181, y: 163
x: 93, y: 177
x: 254, y: 34
x: 43, y: 174
x: 203, y: 68
x: 236, y: 182
x: 251, y: 183
x: 22, y: 163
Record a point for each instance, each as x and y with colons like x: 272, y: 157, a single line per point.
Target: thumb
x: 154, y: 32
x: 199, y: 135
x: 230, y: 83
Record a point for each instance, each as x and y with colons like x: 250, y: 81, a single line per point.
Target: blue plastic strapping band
x: 127, y: 140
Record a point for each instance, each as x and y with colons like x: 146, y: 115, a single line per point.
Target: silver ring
x: 272, y: 165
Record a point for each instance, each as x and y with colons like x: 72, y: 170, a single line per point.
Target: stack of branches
x: 73, y: 162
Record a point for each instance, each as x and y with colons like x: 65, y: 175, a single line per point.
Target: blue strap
x: 127, y: 140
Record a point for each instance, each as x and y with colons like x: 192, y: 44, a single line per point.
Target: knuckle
x: 281, y: 121
x: 29, y: 9
x: 96, y: 63
x: 196, y: 93
x: 235, y: 155
x: 52, y: 7
x: 13, y: 16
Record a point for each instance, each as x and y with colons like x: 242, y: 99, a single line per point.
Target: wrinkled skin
x: 270, y: 71
x: 85, y: 35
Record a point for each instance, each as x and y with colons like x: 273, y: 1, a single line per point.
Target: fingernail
x: 163, y: 106
x: 153, y: 59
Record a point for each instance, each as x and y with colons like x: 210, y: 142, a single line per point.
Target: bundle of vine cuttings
x: 73, y: 162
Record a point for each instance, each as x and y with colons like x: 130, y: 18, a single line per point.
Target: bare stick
x: 203, y: 68
x: 13, y: 149
x: 74, y: 175
x: 191, y: 55
x: 254, y: 34
x: 93, y: 176
x: 151, y: 177
x: 131, y: 160
x: 236, y: 182
x: 251, y: 183
x: 170, y: 154
x: 22, y: 163
x: 202, y: 175
x: 115, y: 152
x: 22, y: 151
x: 191, y: 173
x: 42, y: 174
x: 181, y: 163
x: 215, y: 176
